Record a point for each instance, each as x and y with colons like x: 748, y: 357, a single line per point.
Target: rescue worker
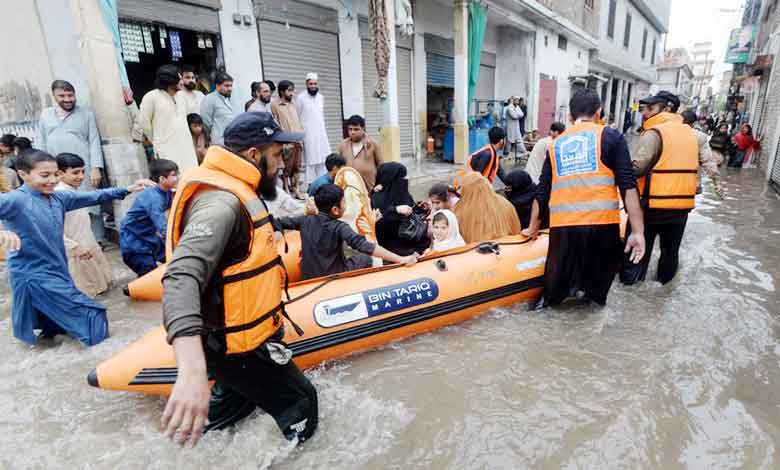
x: 584, y: 168
x: 486, y: 160
x: 222, y: 301
x: 667, y: 161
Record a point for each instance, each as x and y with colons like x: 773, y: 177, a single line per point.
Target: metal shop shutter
x: 441, y: 70
x: 181, y: 15
x: 486, y: 83
x: 289, y: 54
x: 405, y: 111
x: 373, y: 107
x: 775, y: 176
x: 758, y: 119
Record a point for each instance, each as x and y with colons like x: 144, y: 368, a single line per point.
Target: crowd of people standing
x: 219, y: 242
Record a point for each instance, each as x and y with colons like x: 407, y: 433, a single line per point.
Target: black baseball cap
x: 663, y: 97
x: 256, y: 128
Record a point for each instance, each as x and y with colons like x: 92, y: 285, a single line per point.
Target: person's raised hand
x: 82, y: 253
x: 187, y: 410
x: 10, y: 241
x: 404, y: 210
x: 95, y: 177
x: 310, y: 208
x: 636, y: 246
x: 532, y: 234
x: 140, y: 185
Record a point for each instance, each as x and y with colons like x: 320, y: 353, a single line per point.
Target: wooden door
x: 547, y: 92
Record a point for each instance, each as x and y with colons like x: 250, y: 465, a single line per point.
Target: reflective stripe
x: 673, y: 196
x: 585, y: 207
x: 584, y: 182
x: 675, y: 171
x: 255, y: 207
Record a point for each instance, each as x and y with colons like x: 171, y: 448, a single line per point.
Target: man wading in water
x: 222, y: 253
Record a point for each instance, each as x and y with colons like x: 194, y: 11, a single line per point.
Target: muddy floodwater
x: 683, y: 376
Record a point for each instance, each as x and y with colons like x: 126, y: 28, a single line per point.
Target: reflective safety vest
x: 583, y: 188
x: 671, y: 182
x: 242, y: 304
x: 491, y: 170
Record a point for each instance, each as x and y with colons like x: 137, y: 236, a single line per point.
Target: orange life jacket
x: 491, y: 169
x: 583, y: 188
x: 671, y: 182
x: 242, y: 306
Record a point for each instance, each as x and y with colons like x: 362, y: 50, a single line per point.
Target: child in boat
x: 323, y: 236
x: 142, y: 234
x: 446, y: 234
x: 44, y: 296
x: 86, y: 262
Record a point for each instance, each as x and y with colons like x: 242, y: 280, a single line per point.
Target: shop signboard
x: 740, y: 43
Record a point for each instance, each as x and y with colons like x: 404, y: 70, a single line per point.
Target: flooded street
x: 683, y: 376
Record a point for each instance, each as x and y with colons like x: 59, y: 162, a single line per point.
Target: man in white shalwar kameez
x: 316, y: 148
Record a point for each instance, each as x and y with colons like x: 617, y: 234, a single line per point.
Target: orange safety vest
x: 671, y: 182
x: 583, y: 188
x: 491, y: 170
x: 246, y: 309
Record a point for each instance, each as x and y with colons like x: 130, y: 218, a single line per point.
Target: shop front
x: 160, y: 32
x: 373, y: 105
x: 297, y: 38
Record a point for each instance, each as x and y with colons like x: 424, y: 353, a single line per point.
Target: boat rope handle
x: 494, y: 247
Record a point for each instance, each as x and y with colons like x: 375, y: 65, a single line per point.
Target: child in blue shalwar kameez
x: 44, y: 296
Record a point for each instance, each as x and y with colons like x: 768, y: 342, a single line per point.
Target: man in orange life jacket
x: 223, y: 291
x: 667, y: 161
x: 486, y: 160
x: 584, y: 168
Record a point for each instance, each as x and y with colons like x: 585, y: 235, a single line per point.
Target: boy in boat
x: 44, y: 296
x: 323, y: 236
x: 142, y: 233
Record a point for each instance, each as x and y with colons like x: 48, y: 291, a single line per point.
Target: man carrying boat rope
x: 222, y: 253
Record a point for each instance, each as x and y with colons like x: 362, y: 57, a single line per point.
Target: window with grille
x: 589, y: 4
x: 652, y: 55
x: 562, y: 42
x: 611, y: 20
x: 627, y: 35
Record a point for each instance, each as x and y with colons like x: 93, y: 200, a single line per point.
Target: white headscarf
x: 454, y: 240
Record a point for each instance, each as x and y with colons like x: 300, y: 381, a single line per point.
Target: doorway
x: 547, y: 103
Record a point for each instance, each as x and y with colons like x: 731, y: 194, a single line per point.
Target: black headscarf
x: 395, y: 188
x: 521, y: 192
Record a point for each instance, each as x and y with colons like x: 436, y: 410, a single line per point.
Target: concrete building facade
x: 535, y: 49
x: 630, y: 46
x: 703, y: 62
x: 676, y: 75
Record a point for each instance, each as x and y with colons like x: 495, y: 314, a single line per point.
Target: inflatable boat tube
x: 350, y: 312
x: 149, y: 286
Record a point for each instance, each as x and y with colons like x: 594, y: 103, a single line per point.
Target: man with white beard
x: 316, y: 148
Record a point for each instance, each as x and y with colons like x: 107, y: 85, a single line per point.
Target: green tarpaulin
x: 477, y: 24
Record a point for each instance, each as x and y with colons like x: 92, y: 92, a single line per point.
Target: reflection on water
x: 678, y: 376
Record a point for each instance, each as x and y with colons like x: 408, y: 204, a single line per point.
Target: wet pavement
x: 682, y: 376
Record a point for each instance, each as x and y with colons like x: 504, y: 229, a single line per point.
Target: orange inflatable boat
x: 350, y: 312
x: 149, y: 286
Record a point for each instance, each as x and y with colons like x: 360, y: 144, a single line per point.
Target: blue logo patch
x: 333, y: 312
x: 400, y: 296
x: 576, y: 154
